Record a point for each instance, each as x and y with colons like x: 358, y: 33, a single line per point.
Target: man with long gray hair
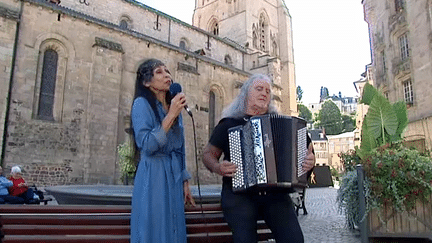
x: 242, y: 210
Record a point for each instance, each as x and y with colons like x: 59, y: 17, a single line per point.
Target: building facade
x: 339, y: 144
x: 401, y: 36
x: 320, y: 144
x: 69, y: 71
x: 361, y: 108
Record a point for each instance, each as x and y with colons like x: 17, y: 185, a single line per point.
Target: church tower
x: 263, y: 28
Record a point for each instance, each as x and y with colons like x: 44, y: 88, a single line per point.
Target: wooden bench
x: 70, y: 224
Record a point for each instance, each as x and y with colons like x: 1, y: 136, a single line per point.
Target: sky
x: 330, y: 38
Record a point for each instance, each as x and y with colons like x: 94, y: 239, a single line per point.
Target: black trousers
x: 242, y: 210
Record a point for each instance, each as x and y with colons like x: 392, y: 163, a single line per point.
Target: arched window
x: 215, y: 29
x: 213, y: 26
x: 54, y: 54
x: 212, y: 111
x: 262, y: 33
x: 215, y: 106
x: 123, y: 24
x: 228, y: 60
x: 182, y: 45
x: 48, y: 83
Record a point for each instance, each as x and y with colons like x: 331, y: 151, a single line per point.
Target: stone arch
x: 213, y: 26
x: 184, y: 43
x: 216, y: 103
x: 63, y: 40
x: 228, y: 60
x: 57, y: 46
x: 263, y: 31
x: 125, y: 22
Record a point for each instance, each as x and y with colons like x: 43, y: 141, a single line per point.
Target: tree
x: 348, y: 123
x: 304, y: 112
x: 330, y: 118
x: 324, y: 94
x: 299, y: 93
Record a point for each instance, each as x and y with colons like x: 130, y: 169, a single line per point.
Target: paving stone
x: 324, y: 223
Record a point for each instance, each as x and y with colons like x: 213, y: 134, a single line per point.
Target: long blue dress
x: 157, y: 200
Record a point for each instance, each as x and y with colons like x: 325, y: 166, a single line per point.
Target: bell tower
x: 264, y: 28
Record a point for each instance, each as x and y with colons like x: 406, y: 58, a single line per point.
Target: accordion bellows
x: 269, y: 151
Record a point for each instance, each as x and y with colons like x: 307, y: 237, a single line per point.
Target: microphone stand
x: 197, y: 175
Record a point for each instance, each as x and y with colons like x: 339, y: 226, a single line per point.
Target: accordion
x: 269, y: 151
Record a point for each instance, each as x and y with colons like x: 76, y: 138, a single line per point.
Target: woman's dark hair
x: 144, y: 75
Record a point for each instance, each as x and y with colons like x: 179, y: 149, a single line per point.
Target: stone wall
x: 93, y: 95
x: 158, y: 25
x: 9, y: 15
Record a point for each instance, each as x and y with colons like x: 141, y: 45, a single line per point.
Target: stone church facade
x: 69, y: 71
x: 401, y: 44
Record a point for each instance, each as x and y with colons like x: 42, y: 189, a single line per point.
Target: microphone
x: 176, y: 88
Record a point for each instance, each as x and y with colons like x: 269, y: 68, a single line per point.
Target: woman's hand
x: 227, y: 168
x: 309, y: 161
x: 177, y: 104
x: 188, y: 199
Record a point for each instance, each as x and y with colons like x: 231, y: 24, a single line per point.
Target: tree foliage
x: 329, y: 117
x: 348, y: 123
x: 299, y: 93
x: 304, y: 112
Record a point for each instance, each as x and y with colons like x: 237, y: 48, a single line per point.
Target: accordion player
x: 269, y: 151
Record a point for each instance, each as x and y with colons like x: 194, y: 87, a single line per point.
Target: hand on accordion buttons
x: 227, y: 168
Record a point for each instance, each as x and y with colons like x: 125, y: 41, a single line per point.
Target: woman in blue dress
x: 161, y: 184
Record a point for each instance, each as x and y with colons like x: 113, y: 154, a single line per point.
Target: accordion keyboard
x: 236, y: 158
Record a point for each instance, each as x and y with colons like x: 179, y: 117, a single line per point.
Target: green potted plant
x: 126, y: 162
x: 398, y: 181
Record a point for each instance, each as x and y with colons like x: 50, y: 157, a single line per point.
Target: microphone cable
x: 197, y: 178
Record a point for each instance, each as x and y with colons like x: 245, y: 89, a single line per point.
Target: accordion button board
x: 269, y: 151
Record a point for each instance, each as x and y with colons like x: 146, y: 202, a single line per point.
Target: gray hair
x: 237, y: 108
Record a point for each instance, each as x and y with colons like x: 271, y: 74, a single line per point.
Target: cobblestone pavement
x: 323, y: 223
